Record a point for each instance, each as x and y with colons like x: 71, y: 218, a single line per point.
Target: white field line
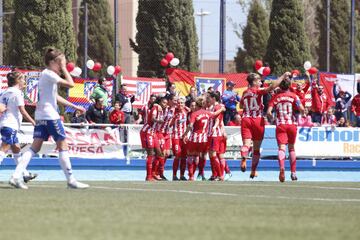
x: 215, y: 193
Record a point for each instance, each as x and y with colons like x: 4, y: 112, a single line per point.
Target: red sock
x: 202, y: 162
x: 222, y: 166
x: 244, y: 151
x: 162, y: 162
x: 190, y: 162
x: 227, y: 169
x: 292, y: 160
x: 255, y: 160
x: 175, y: 165
x: 155, y: 165
x: 216, y: 166
x: 149, y: 161
x: 182, y: 166
x: 281, y: 158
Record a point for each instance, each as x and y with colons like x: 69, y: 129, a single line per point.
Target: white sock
x: 65, y: 164
x: 16, y: 160
x: 23, y: 162
x: 2, y: 156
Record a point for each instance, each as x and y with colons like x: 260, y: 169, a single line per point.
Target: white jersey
x: 46, y: 107
x: 13, y: 99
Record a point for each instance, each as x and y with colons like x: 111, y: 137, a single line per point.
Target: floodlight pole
x: 222, y: 40
x: 352, y: 38
x: 202, y: 14
x: 85, y: 37
x: 328, y: 2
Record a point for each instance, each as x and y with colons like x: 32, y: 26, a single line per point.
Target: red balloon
x: 258, y: 64
x: 164, y: 62
x: 97, y: 67
x: 70, y: 66
x: 117, y: 70
x: 313, y: 70
x: 266, y: 71
x: 169, y: 56
x: 295, y: 72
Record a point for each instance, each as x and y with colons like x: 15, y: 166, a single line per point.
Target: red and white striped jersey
x: 168, y: 114
x: 180, y: 120
x: 217, y: 132
x: 200, y: 121
x: 285, y: 104
x: 252, y: 102
x: 156, y: 113
x: 144, y: 112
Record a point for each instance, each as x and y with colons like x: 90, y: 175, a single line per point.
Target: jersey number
x: 205, y: 122
x: 284, y: 110
x: 253, y: 106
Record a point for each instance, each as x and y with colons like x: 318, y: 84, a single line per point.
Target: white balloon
x: 174, y: 62
x: 76, y: 72
x: 307, y: 65
x: 110, y: 70
x: 261, y: 70
x: 90, y: 64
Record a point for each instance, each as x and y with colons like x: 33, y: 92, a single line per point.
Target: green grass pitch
x: 182, y: 210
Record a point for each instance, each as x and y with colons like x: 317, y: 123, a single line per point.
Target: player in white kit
x: 47, y: 118
x: 10, y: 120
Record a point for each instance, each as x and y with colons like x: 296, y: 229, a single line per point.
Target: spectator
x: 236, y: 121
x: 116, y: 116
x: 210, y: 90
x: 305, y: 120
x: 78, y: 117
x: 172, y: 90
x: 319, y: 102
x: 96, y: 112
x: 329, y: 118
x: 355, y: 106
x: 126, y: 101
x: 300, y: 90
x: 230, y: 99
x: 191, y: 97
x: 100, y: 92
x: 341, y: 122
x: 341, y: 99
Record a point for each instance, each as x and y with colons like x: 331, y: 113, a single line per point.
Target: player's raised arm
x: 277, y: 82
x: 65, y: 102
x: 68, y: 82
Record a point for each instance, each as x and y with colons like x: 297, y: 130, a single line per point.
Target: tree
x: 100, y: 33
x: 339, y: 36
x: 38, y: 25
x: 7, y: 30
x: 165, y: 26
x: 287, y: 46
x: 255, y: 37
x: 312, y: 31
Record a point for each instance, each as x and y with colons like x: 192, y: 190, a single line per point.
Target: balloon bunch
x: 265, y: 71
x: 96, y: 66
x: 169, y: 58
x: 73, y: 70
x: 309, y: 68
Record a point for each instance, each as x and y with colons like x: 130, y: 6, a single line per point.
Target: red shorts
x: 197, y: 147
x: 164, y: 140
x: 286, y: 134
x: 178, y: 147
x: 149, y: 140
x: 222, y: 149
x: 214, y: 144
x: 252, y: 128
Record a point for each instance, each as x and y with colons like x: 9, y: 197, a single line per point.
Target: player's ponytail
x: 51, y: 54
x: 13, y: 78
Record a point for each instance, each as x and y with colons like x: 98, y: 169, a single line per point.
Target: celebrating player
x: 253, y: 124
x: 10, y: 120
x: 285, y: 103
x: 47, y: 118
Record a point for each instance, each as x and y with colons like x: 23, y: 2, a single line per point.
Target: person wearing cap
x: 319, y: 103
x: 342, y: 97
x: 230, y: 99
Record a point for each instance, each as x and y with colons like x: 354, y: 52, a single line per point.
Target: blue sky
x: 211, y: 27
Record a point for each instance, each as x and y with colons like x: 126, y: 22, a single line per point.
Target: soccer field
x: 182, y: 210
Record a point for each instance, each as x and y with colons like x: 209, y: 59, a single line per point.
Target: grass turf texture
x: 181, y: 210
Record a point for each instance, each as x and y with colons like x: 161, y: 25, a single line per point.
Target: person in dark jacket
x: 78, y: 118
x: 96, y: 113
x: 126, y: 99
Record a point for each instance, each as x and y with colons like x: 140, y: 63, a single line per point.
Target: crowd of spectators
x: 344, y: 113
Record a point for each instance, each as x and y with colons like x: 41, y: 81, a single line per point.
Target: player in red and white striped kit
x: 198, y: 140
x: 285, y: 104
x: 216, y: 130
x: 149, y: 139
x: 164, y: 133
x: 179, y: 123
x: 253, y: 124
x: 144, y: 111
